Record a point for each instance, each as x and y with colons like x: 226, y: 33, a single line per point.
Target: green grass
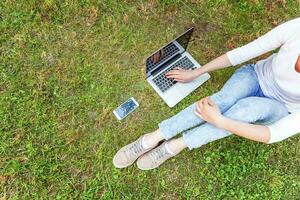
x: 65, y: 66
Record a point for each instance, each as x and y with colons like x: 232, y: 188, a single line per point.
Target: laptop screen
x: 175, y: 47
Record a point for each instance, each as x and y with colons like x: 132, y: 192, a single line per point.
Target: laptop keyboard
x: 168, y: 51
x: 163, y: 83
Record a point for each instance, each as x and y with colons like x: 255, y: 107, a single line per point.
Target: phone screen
x: 124, y: 109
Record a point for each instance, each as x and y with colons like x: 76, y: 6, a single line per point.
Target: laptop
x: 173, y: 55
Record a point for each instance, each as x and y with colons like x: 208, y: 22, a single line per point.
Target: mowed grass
x: 65, y: 65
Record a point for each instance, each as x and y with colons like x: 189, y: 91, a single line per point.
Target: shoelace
x: 136, y: 148
x: 158, y: 154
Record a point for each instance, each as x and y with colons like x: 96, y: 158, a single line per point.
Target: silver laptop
x: 173, y: 55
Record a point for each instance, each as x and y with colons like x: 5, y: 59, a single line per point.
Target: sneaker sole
x: 121, y: 166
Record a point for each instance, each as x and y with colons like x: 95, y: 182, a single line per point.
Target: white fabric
x: 285, y: 128
x: 277, y: 75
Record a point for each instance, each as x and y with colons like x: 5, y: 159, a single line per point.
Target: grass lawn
x: 65, y: 65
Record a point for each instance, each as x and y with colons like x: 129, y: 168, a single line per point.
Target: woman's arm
x: 182, y: 75
x: 218, y: 63
x: 280, y: 130
x: 267, y: 42
x: 254, y: 132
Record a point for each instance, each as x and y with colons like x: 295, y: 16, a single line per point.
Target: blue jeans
x: 241, y: 98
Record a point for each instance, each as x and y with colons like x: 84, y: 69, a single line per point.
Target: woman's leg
x: 241, y: 84
x: 250, y: 110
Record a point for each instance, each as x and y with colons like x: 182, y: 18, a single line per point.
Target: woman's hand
x: 207, y: 110
x: 182, y: 75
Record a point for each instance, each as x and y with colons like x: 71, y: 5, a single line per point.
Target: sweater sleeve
x: 268, y: 42
x: 285, y: 128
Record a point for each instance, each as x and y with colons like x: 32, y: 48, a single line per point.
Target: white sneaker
x: 129, y: 153
x: 154, y: 158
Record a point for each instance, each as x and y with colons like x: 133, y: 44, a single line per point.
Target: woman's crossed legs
x: 240, y: 98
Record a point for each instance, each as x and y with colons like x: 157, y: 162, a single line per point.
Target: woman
x: 267, y: 93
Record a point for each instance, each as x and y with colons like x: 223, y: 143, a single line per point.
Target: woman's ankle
x: 176, y: 145
x: 152, y: 139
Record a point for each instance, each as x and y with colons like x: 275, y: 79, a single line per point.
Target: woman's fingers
x: 178, y: 68
x: 205, y: 101
x: 172, y: 75
x: 176, y: 76
x: 210, y: 102
x: 179, y: 80
x: 198, y: 114
x: 199, y: 104
x: 172, y: 72
x: 199, y: 107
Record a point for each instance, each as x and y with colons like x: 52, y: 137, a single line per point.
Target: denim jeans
x: 241, y: 98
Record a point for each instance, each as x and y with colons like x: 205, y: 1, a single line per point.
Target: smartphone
x: 125, y: 108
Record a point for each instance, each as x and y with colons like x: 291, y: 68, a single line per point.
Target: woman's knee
x: 247, y: 102
x: 241, y: 84
x: 244, y: 110
x: 223, y: 99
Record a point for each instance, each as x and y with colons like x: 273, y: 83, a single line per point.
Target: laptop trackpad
x: 186, y: 87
